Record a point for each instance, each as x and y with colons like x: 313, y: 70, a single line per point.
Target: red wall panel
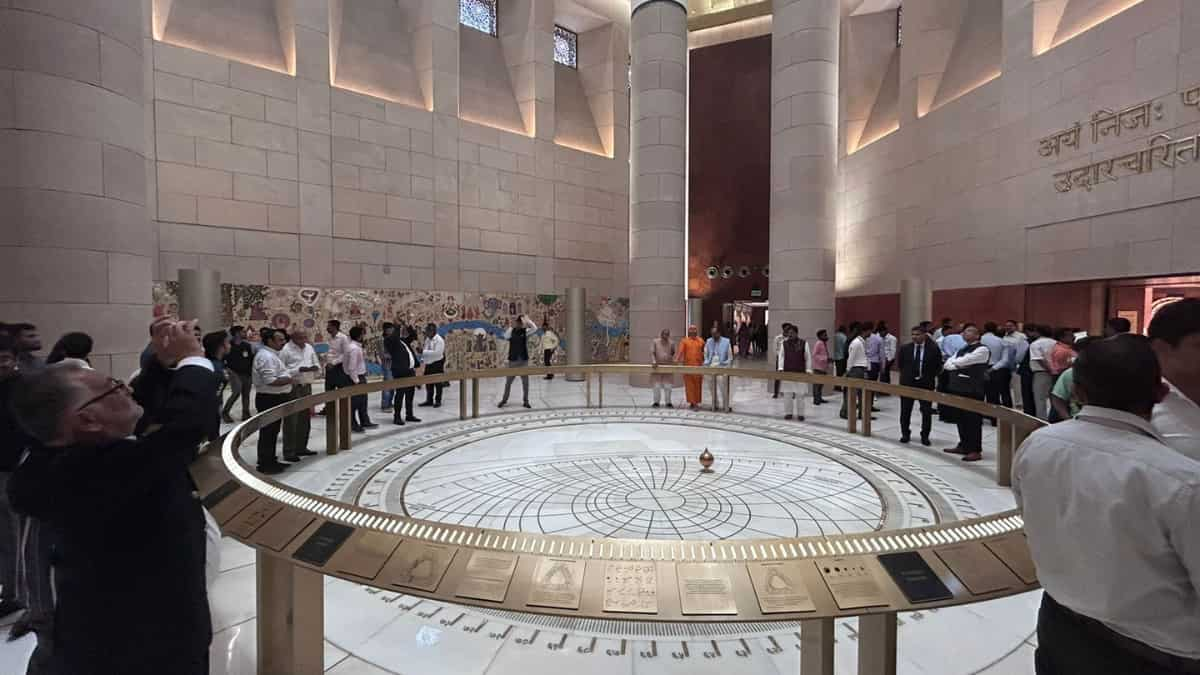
x: 979, y: 305
x: 729, y: 169
x: 874, y: 308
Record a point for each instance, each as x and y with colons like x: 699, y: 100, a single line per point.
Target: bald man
x: 129, y: 532
x: 302, y: 365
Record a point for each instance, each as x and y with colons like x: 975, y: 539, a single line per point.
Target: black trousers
x: 358, y: 407
x: 906, y: 406
x: 999, y: 387
x: 970, y: 428
x: 402, y: 407
x: 1070, y: 643
x: 433, y: 392
x: 270, y: 433
x: 1028, y: 399
x: 945, y: 412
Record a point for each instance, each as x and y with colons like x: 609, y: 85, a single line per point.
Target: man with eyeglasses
x: 129, y: 566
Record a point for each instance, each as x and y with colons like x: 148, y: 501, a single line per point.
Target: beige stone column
x: 804, y: 120
x: 658, y: 154
x: 76, y: 246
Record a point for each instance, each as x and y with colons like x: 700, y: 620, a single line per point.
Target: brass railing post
x: 1004, y: 453
x: 291, y: 618
x: 600, y: 390
x: 867, y: 406
x: 474, y: 398
x: 462, y: 399
x: 331, y: 428
x: 715, y: 406
x: 587, y: 389
x: 852, y: 395
x: 877, y: 644
x: 343, y: 411
x: 816, y: 647
x: 728, y: 390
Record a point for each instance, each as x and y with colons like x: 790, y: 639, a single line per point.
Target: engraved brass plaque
x: 631, y: 587
x: 418, y: 565
x: 279, y: 531
x: 232, y: 503
x: 704, y: 588
x: 780, y: 587
x: 557, y: 582
x: 252, y: 517
x: 487, y: 576
x: 975, y: 566
x: 365, y: 553
x: 852, y: 582
x: 1013, y: 550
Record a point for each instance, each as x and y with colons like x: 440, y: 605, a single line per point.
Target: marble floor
x: 627, y: 469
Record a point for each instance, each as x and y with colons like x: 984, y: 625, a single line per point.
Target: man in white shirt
x: 1039, y: 363
x: 968, y: 377
x: 355, y: 366
x: 1110, y: 514
x: 1018, y: 346
x: 888, y: 352
x: 273, y: 387
x: 549, y: 346
x: 300, y: 360
x: 433, y: 355
x: 335, y: 373
x: 1175, y: 336
x: 783, y: 335
x: 857, y: 363
x: 794, y: 356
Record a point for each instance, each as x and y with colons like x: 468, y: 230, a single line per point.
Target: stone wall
x: 280, y: 178
x: 961, y: 195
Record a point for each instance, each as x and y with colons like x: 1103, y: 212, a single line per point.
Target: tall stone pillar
x: 916, y: 305
x: 76, y: 247
x: 804, y: 128
x: 200, y: 298
x: 658, y: 160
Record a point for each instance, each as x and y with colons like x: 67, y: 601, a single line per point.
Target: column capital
x: 638, y: 4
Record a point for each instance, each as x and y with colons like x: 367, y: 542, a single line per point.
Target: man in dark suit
x: 129, y: 532
x: 404, y: 364
x: 920, y: 363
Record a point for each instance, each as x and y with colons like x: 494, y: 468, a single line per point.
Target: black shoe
x: 925, y: 441
x: 425, y: 404
x: 410, y: 418
x: 843, y: 416
x: 972, y: 457
x: 800, y: 418
x: 437, y: 404
x: 775, y: 396
x: 955, y: 451
x: 670, y: 405
x: 356, y: 429
x: 398, y: 422
x: 370, y: 425
x: 385, y: 408
x: 21, y: 628
x: 874, y: 409
x: 787, y: 417
x: 526, y: 404
x: 653, y: 405
x: 305, y: 453
x: 501, y: 404
x: 272, y: 469
x: 548, y: 377
x: 227, y: 419
x: 904, y: 438
x: 291, y: 458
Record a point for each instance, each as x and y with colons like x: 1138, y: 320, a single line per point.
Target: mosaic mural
x: 473, y: 324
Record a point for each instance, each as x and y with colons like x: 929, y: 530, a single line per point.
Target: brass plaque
x: 252, y: 517
x: 780, y: 587
x: 852, y: 582
x: 1013, y: 550
x: 365, y: 553
x: 631, y: 587
x: 979, y: 570
x: 224, y: 510
x: 418, y: 565
x: 557, y: 582
x: 487, y: 576
x: 279, y: 531
x: 704, y: 588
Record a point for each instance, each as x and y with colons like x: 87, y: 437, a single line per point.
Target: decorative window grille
x: 478, y: 14
x: 566, y: 47
x: 899, y: 25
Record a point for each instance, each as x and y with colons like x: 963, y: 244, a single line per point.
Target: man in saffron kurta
x: 691, y: 353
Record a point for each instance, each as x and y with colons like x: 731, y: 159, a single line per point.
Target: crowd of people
x: 85, y: 456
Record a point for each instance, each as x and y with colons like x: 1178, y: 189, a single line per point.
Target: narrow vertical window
x: 566, y: 47
x: 899, y: 25
x: 478, y: 14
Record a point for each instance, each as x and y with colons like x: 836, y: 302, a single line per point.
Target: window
x: 566, y: 45
x: 478, y: 14
x: 899, y: 25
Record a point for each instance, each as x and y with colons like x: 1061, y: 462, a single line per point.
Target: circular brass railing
x: 300, y: 536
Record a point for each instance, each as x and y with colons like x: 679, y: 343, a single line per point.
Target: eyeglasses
x: 117, y: 385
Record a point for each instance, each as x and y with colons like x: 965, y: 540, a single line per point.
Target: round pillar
x: 76, y: 244
x: 804, y: 122
x: 577, y: 345
x: 200, y: 298
x: 658, y: 163
x: 916, y: 305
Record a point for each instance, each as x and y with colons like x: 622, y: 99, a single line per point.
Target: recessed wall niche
x: 1056, y: 21
x: 373, y: 49
x: 257, y: 32
x: 585, y: 96
x: 962, y: 48
x: 870, y: 79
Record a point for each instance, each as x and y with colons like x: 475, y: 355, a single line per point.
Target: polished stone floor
x: 627, y: 470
